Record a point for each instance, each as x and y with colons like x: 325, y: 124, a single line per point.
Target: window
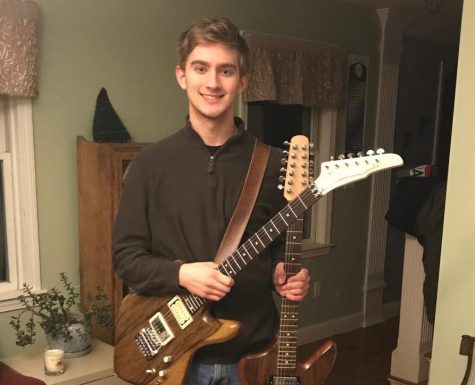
x: 275, y: 123
x: 19, y: 251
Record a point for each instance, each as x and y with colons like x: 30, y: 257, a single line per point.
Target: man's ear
x: 243, y: 82
x: 180, y: 77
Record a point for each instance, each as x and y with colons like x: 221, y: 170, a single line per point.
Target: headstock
x: 345, y: 170
x: 299, y: 167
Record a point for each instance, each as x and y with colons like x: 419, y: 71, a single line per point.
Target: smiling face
x: 212, y: 80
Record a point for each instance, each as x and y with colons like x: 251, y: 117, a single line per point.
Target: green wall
x: 455, y: 306
x: 128, y: 46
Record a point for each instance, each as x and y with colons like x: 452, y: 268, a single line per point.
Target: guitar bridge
x: 151, y: 339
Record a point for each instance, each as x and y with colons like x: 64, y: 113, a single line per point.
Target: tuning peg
x: 370, y: 152
x: 360, y: 154
x: 312, y: 153
x: 283, y: 161
x: 332, y: 158
x: 287, y: 143
x: 311, y: 144
x: 350, y: 155
x: 380, y: 151
x: 285, y: 152
x: 311, y: 179
x: 280, y: 187
x: 281, y: 178
x: 341, y: 157
x: 283, y: 169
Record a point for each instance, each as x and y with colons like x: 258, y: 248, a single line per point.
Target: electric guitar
x: 156, y: 337
x: 277, y: 365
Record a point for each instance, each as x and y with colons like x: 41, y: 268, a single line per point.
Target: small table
x: 94, y: 368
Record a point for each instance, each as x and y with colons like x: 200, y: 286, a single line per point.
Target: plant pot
x: 79, y: 345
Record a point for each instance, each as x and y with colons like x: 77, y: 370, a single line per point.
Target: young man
x: 180, y: 194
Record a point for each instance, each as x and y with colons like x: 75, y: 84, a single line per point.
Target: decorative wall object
x: 107, y: 126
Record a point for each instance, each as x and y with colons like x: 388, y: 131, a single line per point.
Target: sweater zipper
x: 211, y: 171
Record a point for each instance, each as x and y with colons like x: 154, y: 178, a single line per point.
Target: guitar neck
x: 241, y: 257
x: 289, y: 314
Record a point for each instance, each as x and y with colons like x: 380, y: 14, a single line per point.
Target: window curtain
x: 292, y: 71
x: 18, y: 47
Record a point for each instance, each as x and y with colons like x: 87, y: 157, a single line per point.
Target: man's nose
x: 213, y: 80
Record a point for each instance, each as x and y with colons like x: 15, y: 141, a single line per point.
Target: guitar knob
x: 163, y: 373
x: 167, y: 359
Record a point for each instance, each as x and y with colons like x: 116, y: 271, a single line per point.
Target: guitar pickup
x: 180, y: 312
x: 277, y: 380
x: 151, y: 339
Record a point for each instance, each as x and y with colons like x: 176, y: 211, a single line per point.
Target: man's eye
x: 227, y: 72
x: 200, y: 69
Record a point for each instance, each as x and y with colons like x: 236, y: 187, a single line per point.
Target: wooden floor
x: 364, y: 355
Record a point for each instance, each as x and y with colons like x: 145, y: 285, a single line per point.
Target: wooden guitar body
x: 261, y: 368
x: 170, y: 365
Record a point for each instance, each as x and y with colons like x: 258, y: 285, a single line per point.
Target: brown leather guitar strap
x: 247, y: 199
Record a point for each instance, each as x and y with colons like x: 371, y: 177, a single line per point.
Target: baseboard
x: 340, y: 325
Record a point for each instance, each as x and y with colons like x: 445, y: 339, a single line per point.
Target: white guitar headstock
x: 345, y: 170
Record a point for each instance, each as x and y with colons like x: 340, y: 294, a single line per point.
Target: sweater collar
x: 238, y: 123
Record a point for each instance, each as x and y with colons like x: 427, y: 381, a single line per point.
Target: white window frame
x: 21, y: 216
x: 323, y: 135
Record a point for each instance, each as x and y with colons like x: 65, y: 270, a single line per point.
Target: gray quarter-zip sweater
x: 175, y: 206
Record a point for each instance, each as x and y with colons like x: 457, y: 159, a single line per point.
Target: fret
x: 241, y: 256
x: 283, y: 219
x: 270, y: 238
x: 293, y: 212
x: 300, y: 199
x: 252, y: 244
x: 259, y: 238
x: 236, y: 264
x: 226, y: 265
x: 272, y: 223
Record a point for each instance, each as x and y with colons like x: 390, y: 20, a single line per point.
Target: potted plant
x: 65, y: 321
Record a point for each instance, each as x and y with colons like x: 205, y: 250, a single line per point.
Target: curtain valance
x: 18, y: 47
x: 292, y: 71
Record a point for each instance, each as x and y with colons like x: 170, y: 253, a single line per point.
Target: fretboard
x: 241, y: 257
x: 289, y: 314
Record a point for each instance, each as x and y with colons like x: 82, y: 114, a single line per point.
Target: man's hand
x: 296, y: 287
x: 204, y: 280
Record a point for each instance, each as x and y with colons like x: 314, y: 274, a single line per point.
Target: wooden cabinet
x: 101, y: 169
